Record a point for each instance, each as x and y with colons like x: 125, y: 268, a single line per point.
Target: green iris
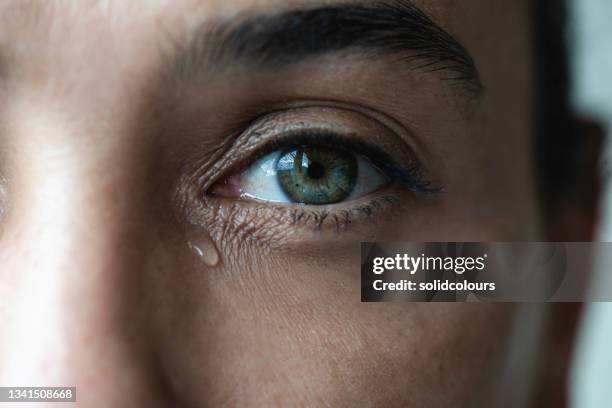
x: 315, y: 175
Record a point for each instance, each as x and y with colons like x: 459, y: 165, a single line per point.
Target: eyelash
x: 341, y: 218
x: 411, y: 178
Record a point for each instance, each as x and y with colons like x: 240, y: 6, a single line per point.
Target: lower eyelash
x: 278, y: 227
x: 343, y: 218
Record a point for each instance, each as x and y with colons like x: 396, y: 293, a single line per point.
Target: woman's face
x: 184, y: 186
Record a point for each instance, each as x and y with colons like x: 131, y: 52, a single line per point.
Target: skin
x: 103, y: 169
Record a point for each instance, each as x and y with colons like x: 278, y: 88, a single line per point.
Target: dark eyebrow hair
x: 387, y: 28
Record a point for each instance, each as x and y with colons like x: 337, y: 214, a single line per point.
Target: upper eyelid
x: 266, y: 125
x: 389, y: 122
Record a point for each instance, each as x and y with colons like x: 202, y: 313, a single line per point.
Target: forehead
x: 23, y: 15
x: 95, y: 40
x: 41, y: 28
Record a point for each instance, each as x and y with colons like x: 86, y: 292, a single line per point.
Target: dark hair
x: 558, y: 138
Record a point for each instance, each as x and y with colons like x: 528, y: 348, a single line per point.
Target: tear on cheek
x: 229, y: 187
x: 204, y: 248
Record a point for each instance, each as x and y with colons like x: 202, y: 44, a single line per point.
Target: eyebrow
x: 386, y: 28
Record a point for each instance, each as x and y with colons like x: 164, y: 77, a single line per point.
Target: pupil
x: 315, y: 170
x: 317, y: 175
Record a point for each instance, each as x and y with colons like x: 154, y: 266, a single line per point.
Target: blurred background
x: 591, y: 33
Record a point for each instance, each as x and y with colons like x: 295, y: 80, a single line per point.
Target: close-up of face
x: 184, y: 187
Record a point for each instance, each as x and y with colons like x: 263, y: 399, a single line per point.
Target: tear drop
x: 205, y: 249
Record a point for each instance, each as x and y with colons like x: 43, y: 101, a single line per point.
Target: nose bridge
x: 71, y: 192
x: 75, y: 232
x: 68, y: 255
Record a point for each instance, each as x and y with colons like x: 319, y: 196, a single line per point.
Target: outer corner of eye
x: 370, y: 178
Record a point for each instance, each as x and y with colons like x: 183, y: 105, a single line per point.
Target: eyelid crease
x: 329, y: 117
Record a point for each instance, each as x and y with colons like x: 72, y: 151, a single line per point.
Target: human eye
x: 312, y: 175
x: 326, y: 160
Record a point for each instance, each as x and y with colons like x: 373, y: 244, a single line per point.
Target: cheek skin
x: 260, y: 320
x: 269, y: 327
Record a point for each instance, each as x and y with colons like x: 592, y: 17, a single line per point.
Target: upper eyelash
x: 410, y: 177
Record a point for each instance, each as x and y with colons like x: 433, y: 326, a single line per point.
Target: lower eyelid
x: 335, y: 218
x: 270, y: 226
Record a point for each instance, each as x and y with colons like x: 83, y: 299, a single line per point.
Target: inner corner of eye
x: 240, y: 182
x: 227, y: 187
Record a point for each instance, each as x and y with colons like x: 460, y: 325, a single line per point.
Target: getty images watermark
x: 478, y: 272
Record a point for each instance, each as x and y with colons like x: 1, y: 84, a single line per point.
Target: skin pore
x: 124, y: 131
